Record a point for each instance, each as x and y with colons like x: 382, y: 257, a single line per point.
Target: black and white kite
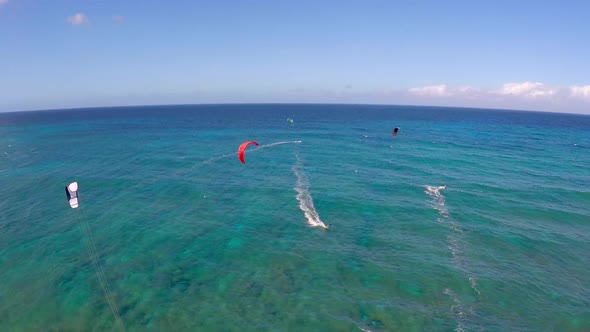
x: 72, y: 194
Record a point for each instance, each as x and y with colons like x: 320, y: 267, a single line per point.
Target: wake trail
x: 454, y: 240
x: 304, y: 196
x: 457, y: 310
x: 455, y: 244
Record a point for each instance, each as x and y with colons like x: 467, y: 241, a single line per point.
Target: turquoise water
x: 190, y: 239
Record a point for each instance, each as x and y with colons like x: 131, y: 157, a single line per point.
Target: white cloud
x: 77, y: 19
x: 513, y: 95
x: 3, y: 2
x: 433, y: 90
x: 527, y: 89
x: 523, y: 90
x: 118, y: 19
x: 444, y: 90
x: 580, y: 91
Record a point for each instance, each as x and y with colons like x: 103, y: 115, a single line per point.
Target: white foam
x: 304, y: 197
x: 473, y: 282
x: 438, y: 201
x: 434, y: 191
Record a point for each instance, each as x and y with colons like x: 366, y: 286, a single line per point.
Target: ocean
x: 332, y: 224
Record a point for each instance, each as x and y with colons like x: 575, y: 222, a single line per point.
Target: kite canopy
x: 242, y: 148
x: 72, y: 194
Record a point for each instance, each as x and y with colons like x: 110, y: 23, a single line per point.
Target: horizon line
x: 289, y: 103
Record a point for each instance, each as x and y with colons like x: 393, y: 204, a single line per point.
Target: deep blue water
x: 182, y: 236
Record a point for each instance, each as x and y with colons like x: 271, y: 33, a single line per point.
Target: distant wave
x: 304, y: 197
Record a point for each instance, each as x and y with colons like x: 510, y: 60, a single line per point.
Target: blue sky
x: 507, y: 54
